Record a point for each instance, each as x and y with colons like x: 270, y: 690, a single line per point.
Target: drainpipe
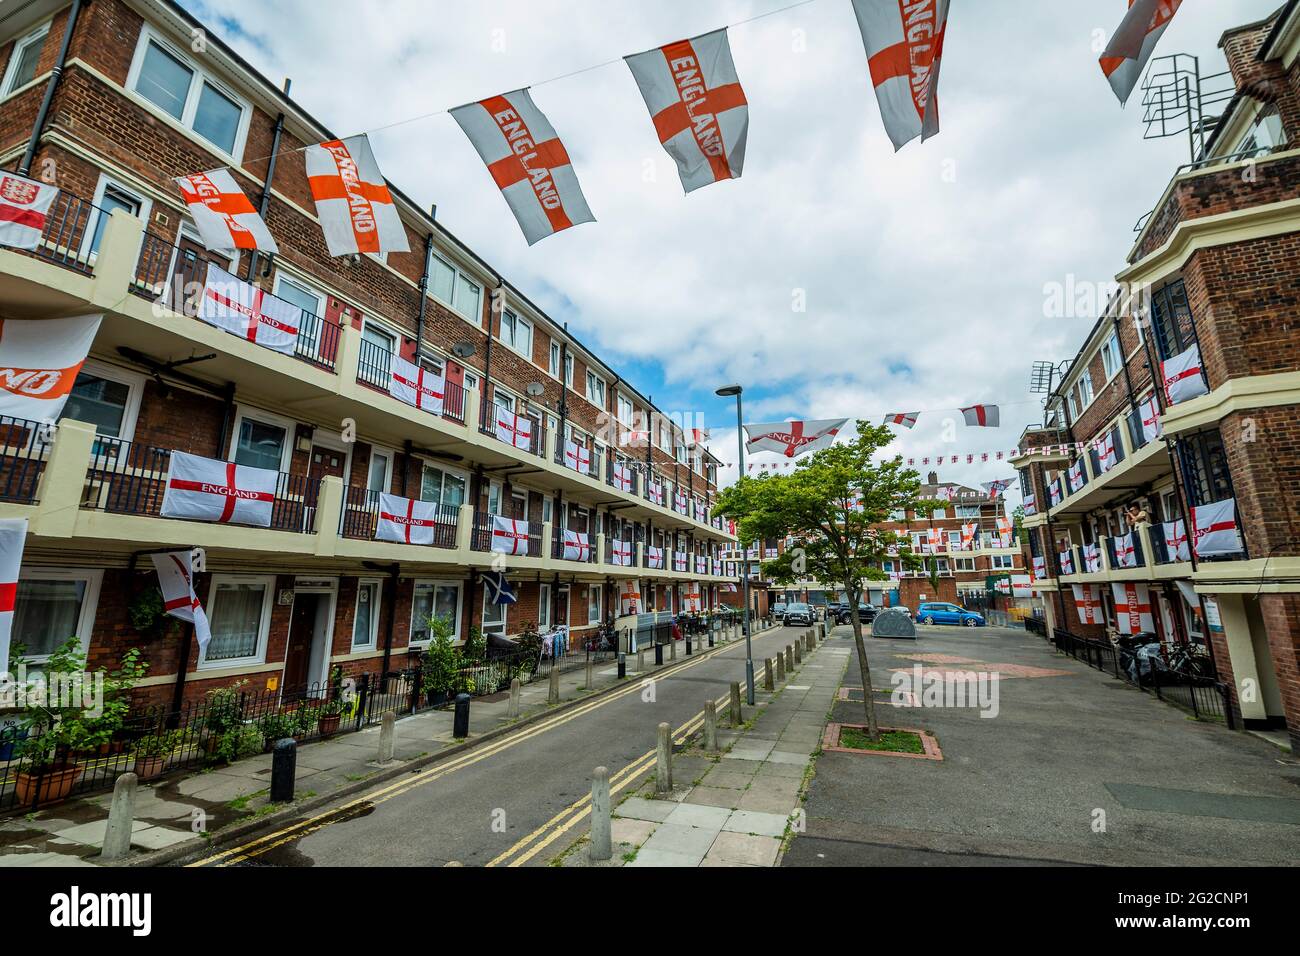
x: 227, y: 421
x: 424, y: 288
x: 394, y: 571
x: 564, y: 397
x: 487, y: 360
x: 38, y: 128
x: 265, y: 201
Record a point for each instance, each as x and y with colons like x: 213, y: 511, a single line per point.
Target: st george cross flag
x: 1031, y: 504
x: 497, y: 589
x: 620, y: 553
x: 1133, y: 608
x: 226, y: 220
x: 577, y: 457
x: 681, y: 503
x: 968, y: 535
x: 1106, y: 456
x: 206, y: 489
x: 622, y: 477
x: 934, y: 539
x: 416, y: 386
x: 528, y: 162
x: 906, y: 419
x: 1040, y: 568
x: 1133, y: 43
x: 1182, y: 376
x: 24, y: 208
x: 995, y: 488
x: 655, y: 557
x: 1176, y: 540
x: 1021, y: 586
x: 1091, y: 559
x: 405, y: 520
x: 1088, y: 602
x: 1215, y: 528
x: 982, y: 416
x: 1126, y: 551
x: 13, y: 537
x: 679, y: 561
x: 1150, y: 412
x: 176, y: 580
x: 904, y: 43
x: 355, y: 208
x: 249, y: 312
x: 509, y: 535
x: 697, y: 105
x: 793, y: 439
x: 1054, y: 493
x: 516, y: 430
x: 1077, y: 477
x: 39, y: 362
x: 629, y: 596
x: 1065, y: 561
x: 577, y: 546
x: 1005, y: 530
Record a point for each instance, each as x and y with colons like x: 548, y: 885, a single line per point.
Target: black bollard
x: 688, y: 645
x: 460, y: 725
x: 659, y: 654
x: 284, y: 766
x: 622, y: 665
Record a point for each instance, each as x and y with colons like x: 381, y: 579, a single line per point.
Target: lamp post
x: 727, y: 391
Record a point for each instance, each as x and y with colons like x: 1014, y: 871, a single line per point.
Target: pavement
x: 186, y: 811
x: 1075, y: 768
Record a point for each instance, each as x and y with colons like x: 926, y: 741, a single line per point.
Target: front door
x: 189, y: 273
x: 325, y: 462
x: 302, y: 632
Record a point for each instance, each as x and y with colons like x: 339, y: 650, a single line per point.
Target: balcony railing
x: 23, y: 448
x: 130, y: 479
x: 361, y: 517
x: 1095, y: 459
x: 69, y: 233
x: 1113, y: 546
x: 375, y: 370
x: 481, y: 536
x: 586, y: 556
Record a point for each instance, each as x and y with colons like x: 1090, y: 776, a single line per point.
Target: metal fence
x: 361, y: 517
x: 24, y: 446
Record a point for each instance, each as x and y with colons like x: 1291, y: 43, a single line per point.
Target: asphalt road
x: 512, y: 802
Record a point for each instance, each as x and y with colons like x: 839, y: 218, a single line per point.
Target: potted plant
x: 66, y: 720
x: 275, y: 727
x: 148, y: 614
x: 223, y: 714
x: 154, y: 752
x: 331, y: 714
x: 440, y: 664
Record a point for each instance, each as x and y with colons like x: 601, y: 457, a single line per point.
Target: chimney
x: 934, y: 478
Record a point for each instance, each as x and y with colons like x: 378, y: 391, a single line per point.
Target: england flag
x: 629, y: 596
x: 355, y: 208
x: 982, y: 416
x: 1183, y: 377
x: 698, y: 108
x: 654, y: 557
x: 515, y: 430
x: 176, y: 580
x: 406, y: 520
x: 577, y: 546
x: 13, y: 538
x: 226, y: 220
x: 249, y: 312
x: 1150, y: 412
x: 527, y: 161
x: 39, y: 363
x: 1087, y: 600
x: 1176, y: 545
x: 1131, y: 47
x: 793, y: 439
x: 205, y: 489
x: 24, y: 209
x: 414, y: 385
x: 509, y: 536
x: 904, y: 43
x: 1133, y: 608
x: 906, y: 419
x: 1215, y: 529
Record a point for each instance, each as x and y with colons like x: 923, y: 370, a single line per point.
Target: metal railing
x: 130, y: 478
x: 481, y: 535
x: 24, y: 446
x: 69, y: 233
x: 375, y: 368
x: 361, y: 517
x: 557, y: 546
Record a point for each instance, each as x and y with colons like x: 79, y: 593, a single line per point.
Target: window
x: 440, y: 599
x: 51, y: 606
x: 365, y: 623
x: 1171, y: 318
x: 557, y: 351
x: 1074, y: 404
x: 1085, y: 390
x: 378, y: 476
x: 23, y: 62
x: 177, y: 87
x: 261, y: 445
x: 239, y: 613
x: 1002, y: 562
x: 595, y: 389
x: 1205, y: 468
x: 517, y: 333
x: 311, y: 302
x: 456, y: 289
x: 1112, y: 356
x: 106, y: 398
x: 968, y: 511
x: 1266, y: 133
x: 965, y: 564
x: 494, y: 617
x: 898, y: 514
x: 626, y: 413
x: 544, y: 606
x: 110, y: 197
x: 940, y: 513
x: 593, y: 604
x: 446, y: 488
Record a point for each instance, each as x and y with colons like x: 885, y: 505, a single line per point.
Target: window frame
x: 37, y: 35
x: 505, y: 617
x: 102, y: 185
x: 243, y: 412
x: 436, y: 583
x: 593, y: 376
x: 516, y: 320
x: 263, y: 625
x: 134, y: 383
x: 378, y: 584
x: 93, y: 578
x: 1112, y: 356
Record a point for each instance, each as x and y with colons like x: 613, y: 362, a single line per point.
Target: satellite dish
x: 463, y: 349
x: 534, y: 389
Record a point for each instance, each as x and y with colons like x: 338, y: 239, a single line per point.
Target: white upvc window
x: 1085, y: 390
x: 494, y: 616
x: 261, y: 440
x: 553, y: 366
x: 544, y: 607
x: 52, y: 605
x: 434, y: 599
x: 110, y: 196
x: 968, y: 511
x: 965, y: 564
x: 517, y: 334
x: 239, y: 614
x: 1002, y: 562
x: 595, y: 389
x: 456, y: 289
x: 106, y: 397
x: 175, y: 85
x: 626, y: 412
x: 365, y: 621
x: 593, y: 603
x: 1112, y: 356
x: 23, y: 60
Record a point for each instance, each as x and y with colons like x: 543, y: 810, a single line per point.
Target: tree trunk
x: 868, y: 702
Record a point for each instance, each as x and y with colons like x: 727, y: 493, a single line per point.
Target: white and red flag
x: 1214, y: 528
x: 934, y: 540
x: 629, y: 596
x: 1131, y: 47
x: 355, y: 208
x: 1183, y: 377
x: 1065, y: 561
x: 1040, y: 568
x: 1076, y: 476
x: 245, y: 310
x: 995, y: 488
x: 24, y: 208
x: 793, y: 439
x: 1150, y: 412
x: 577, y: 546
x: 1005, y: 530
x: 1087, y: 599
x: 1031, y: 504
x: 681, y: 503
x: 13, y: 538
x: 1133, y: 608
x: 226, y: 219
x: 654, y: 557
x: 577, y: 457
x: 657, y: 492
x: 1176, y: 540
x: 176, y: 581
x: 39, y: 362
x: 904, y: 42
x: 1105, y: 449
x: 1091, y: 559
x: 509, y: 536
x: 414, y: 385
x: 516, y: 430
x: 982, y: 416
x: 906, y: 419
x: 968, y: 532
x: 622, y: 476
x: 1126, y: 551
x: 679, y: 561
x: 206, y: 489
x: 406, y: 520
x: 528, y: 162
x: 1021, y: 586
x: 621, y: 553
x: 698, y: 108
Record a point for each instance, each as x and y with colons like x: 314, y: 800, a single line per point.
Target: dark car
x: 866, y: 612
x: 778, y: 610
x: 799, y: 615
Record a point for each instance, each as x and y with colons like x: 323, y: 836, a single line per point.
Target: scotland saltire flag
x: 498, y: 588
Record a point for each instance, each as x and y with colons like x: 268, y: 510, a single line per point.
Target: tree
x: 833, y: 505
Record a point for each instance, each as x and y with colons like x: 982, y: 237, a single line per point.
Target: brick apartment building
x: 1210, y: 442
x: 131, y: 107
x: 965, y: 573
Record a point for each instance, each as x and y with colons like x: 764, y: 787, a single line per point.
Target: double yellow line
x: 302, y: 828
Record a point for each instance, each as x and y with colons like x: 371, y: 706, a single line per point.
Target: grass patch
x: 893, y: 741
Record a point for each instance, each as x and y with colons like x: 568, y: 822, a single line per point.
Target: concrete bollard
x: 602, y: 843
x: 711, y: 726
x: 780, y: 667
x: 284, y: 768
x: 789, y: 658
x: 664, y: 760
x: 387, y: 730
x: 798, y: 652
x: 553, y: 690
x: 672, y: 650
x: 640, y: 659
x: 121, y: 816
x: 512, y: 709
x: 736, y: 718
x: 808, y: 641
x: 769, y: 682
x: 591, y: 675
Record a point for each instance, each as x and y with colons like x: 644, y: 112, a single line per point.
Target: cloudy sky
x: 923, y: 272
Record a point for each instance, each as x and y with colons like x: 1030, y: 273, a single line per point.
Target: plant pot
x: 148, y: 767
x: 328, y: 725
x: 47, y: 786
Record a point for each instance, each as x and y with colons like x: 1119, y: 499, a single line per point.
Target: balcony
x: 24, y: 446
x: 484, y: 535
x: 375, y: 371
x: 361, y: 518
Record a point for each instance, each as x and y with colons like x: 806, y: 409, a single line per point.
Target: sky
x: 835, y: 278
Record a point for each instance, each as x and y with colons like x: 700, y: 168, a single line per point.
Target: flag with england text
x: 904, y: 44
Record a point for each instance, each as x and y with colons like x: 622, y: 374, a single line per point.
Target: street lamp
x: 727, y: 391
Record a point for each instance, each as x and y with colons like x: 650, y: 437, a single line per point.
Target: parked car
x: 799, y: 614
x: 867, y: 612
x: 937, y: 612
x: 778, y: 611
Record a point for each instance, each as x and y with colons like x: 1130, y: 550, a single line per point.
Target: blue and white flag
x: 498, y: 588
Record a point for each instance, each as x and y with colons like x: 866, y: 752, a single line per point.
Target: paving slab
x: 741, y: 849
x: 755, y: 821
x: 639, y: 808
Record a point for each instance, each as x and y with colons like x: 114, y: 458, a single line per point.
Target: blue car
x: 938, y: 612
